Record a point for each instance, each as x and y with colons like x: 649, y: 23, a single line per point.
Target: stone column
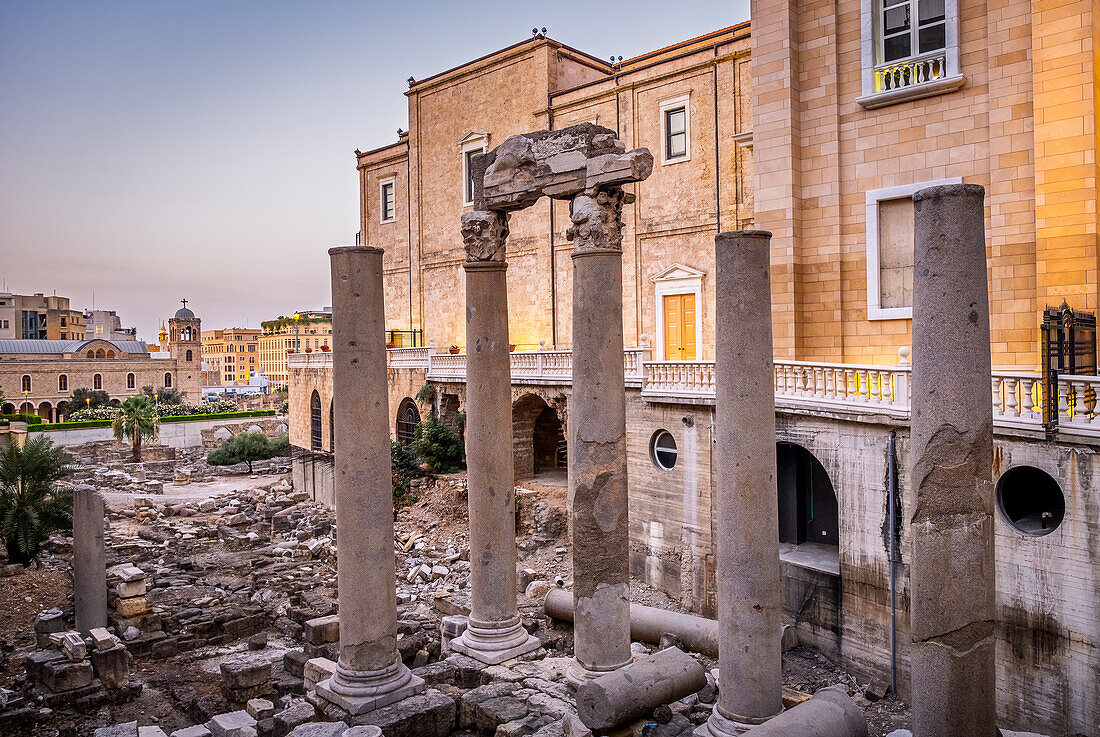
x: 597, y: 439
x: 369, y: 673
x: 749, y: 585
x: 494, y: 633
x: 89, y: 560
x: 952, y: 581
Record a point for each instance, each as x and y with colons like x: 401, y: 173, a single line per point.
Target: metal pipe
x: 892, y: 498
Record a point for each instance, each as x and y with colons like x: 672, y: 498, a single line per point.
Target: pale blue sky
x: 152, y: 150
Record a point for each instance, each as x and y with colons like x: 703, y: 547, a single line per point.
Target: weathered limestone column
x: 494, y: 633
x: 369, y: 673
x: 597, y: 442
x: 747, y: 522
x: 952, y: 581
x: 89, y: 560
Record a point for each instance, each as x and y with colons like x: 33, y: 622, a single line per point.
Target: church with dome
x: 39, y: 376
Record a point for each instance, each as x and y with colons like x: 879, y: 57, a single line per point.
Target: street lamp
x: 26, y: 402
x: 297, y: 343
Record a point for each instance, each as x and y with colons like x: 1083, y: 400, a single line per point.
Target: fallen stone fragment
x: 322, y: 630
x: 320, y: 729
x: 196, y: 731
x: 245, y: 674
x: 232, y: 724
x: 112, y: 666
x: 317, y: 670
x: 151, y: 731
x: 64, y: 675
x: 72, y: 644
x: 429, y: 714
x: 260, y: 709
x: 636, y: 689
x: 365, y: 730
x: 830, y: 713
x: 102, y: 639
x: 127, y: 729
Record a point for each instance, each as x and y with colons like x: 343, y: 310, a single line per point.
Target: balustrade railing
x: 846, y: 386
x: 414, y: 358
x: 911, y: 72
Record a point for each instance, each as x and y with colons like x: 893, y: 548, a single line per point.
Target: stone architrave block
x: 74, y: 647
x: 65, y: 675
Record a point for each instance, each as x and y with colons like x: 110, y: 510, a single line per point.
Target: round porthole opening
x: 662, y: 449
x: 1030, y: 500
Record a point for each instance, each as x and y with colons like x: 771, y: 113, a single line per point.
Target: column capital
x: 597, y: 220
x: 485, y: 235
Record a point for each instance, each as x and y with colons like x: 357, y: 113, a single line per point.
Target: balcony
x: 851, y: 389
x: 910, y: 79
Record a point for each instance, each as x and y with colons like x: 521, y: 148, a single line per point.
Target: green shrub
x: 23, y: 417
x: 437, y: 445
x: 90, y: 398
x: 247, y: 447
x: 404, y: 467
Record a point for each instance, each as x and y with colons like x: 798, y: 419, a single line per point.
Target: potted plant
x: 453, y: 349
x: 289, y: 350
x: 309, y: 350
x: 325, y: 349
x: 511, y: 347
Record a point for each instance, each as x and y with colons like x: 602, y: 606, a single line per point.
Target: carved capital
x: 597, y: 220
x: 484, y: 234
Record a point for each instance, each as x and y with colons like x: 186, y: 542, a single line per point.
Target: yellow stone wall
x: 778, y: 142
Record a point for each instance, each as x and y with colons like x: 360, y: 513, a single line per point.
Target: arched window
x: 100, y: 353
x: 62, y: 383
x: 91, y: 354
x: 188, y: 356
x: 25, y: 383
x: 167, y: 380
x: 332, y: 425
x: 315, y: 421
x: 407, y: 419
x: 110, y: 354
x: 131, y: 381
x: 97, y: 381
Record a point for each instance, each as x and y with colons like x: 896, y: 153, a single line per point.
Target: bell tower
x: 185, y: 348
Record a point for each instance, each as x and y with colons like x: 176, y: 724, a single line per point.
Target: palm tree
x: 137, y: 420
x: 31, y: 504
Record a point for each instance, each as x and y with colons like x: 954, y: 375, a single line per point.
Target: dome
x: 184, y: 312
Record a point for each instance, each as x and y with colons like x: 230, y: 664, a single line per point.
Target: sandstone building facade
x: 232, y: 354
x: 39, y: 376
x: 818, y: 126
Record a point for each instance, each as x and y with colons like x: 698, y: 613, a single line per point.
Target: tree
x: 164, y: 395
x: 31, y: 504
x: 247, y: 447
x: 136, y: 421
x: 82, y: 394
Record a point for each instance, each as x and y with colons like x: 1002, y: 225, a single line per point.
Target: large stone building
x: 39, y: 376
x: 818, y: 126
x: 232, y: 354
x: 39, y: 317
x: 305, y: 331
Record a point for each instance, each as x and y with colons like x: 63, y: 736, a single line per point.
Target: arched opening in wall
x: 131, y: 381
x: 116, y: 402
x: 8, y: 409
x: 100, y: 353
x: 62, y: 383
x: 62, y: 411
x: 167, y: 381
x: 188, y: 356
x: 91, y: 354
x: 97, y: 381
x: 110, y: 354
x: 315, y: 421
x: 809, y: 550
x: 45, y: 411
x: 808, y: 511
x: 1030, y: 500
x: 25, y: 383
x: 408, y: 417
x: 538, y: 440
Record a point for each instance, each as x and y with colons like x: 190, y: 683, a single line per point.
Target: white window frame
x: 875, y: 310
x: 479, y: 144
x: 382, y: 183
x: 870, y: 47
x: 677, y: 279
x: 665, y: 106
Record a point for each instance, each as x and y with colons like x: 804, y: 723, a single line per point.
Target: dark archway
x: 62, y: 411
x: 315, y: 421
x: 332, y: 425
x: 408, y: 417
x: 538, y: 439
x: 808, y: 510
x: 1030, y: 500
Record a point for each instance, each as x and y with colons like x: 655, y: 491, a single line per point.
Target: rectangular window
x: 675, y: 130
x: 890, y: 250
x: 907, y: 44
x: 64, y: 323
x: 469, y: 151
x: 904, y: 35
x: 387, y: 201
x: 675, y: 133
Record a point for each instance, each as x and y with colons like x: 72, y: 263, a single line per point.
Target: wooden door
x: 679, y: 314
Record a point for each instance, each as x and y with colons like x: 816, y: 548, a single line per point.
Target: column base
x: 720, y: 726
x: 493, y: 645
x: 576, y: 674
x: 358, y: 692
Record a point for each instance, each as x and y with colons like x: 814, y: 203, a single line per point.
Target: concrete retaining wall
x: 173, y: 434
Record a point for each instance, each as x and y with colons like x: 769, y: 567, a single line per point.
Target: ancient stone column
x: 597, y: 439
x: 952, y: 579
x: 89, y: 560
x: 369, y: 673
x: 494, y: 633
x: 747, y: 514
